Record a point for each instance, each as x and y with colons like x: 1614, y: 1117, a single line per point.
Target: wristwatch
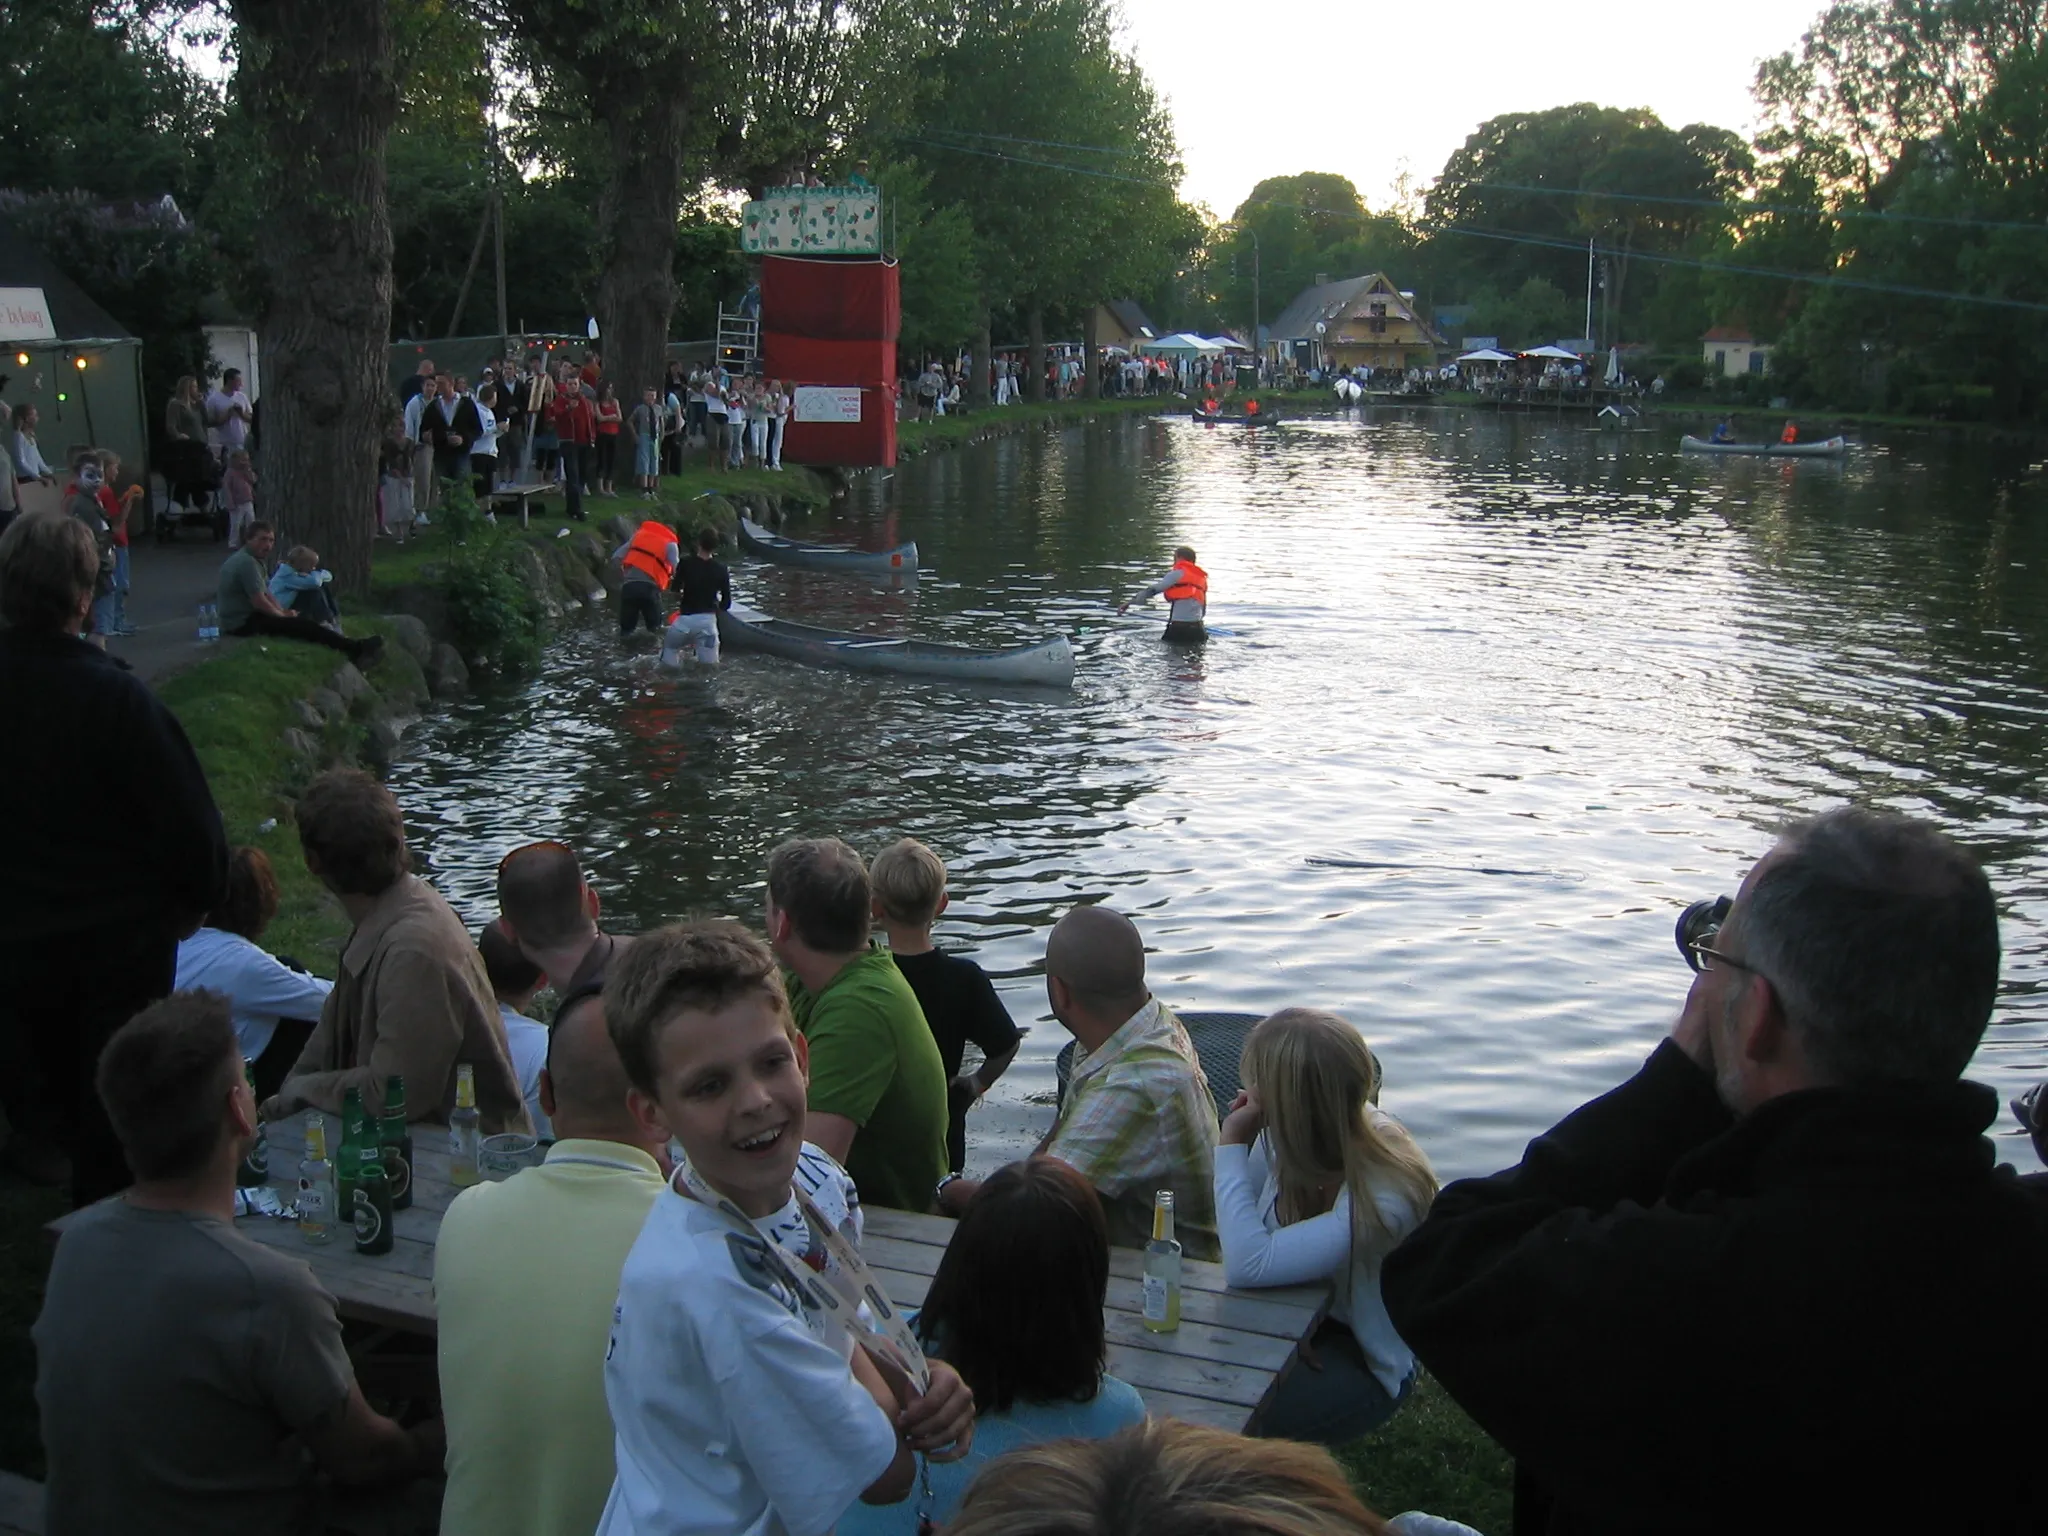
x: 939, y: 1193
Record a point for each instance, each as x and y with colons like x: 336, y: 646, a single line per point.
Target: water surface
x: 1491, y: 699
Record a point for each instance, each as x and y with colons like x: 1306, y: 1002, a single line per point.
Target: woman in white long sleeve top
x: 223, y: 956
x: 1303, y: 1151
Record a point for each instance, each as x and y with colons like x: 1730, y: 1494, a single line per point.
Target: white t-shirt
x: 486, y: 440
x: 735, y: 1417
x: 225, y: 430
x: 260, y: 988
x: 527, y: 1039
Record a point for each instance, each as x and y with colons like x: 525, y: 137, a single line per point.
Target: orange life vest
x: 1194, y: 582
x: 1790, y: 434
x: 647, y: 555
x: 1251, y: 407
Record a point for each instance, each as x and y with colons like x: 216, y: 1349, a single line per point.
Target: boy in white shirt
x: 740, y: 1406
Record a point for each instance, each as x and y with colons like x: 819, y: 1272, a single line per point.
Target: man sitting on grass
x: 189, y: 1378
x: 877, y: 1086
x: 740, y: 1404
x: 247, y: 609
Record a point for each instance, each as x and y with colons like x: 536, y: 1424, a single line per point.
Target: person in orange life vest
x: 1212, y: 406
x: 1790, y: 434
x: 1186, y: 588
x: 1251, y: 407
x: 649, y: 558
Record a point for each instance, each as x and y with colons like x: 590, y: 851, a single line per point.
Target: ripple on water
x: 1493, y: 699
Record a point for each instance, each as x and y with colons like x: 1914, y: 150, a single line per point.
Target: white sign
x: 818, y: 402
x: 25, y: 315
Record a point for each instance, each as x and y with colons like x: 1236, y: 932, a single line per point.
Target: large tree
x: 317, y: 88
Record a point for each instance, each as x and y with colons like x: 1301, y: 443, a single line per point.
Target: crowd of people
x: 941, y: 386
x: 1775, y: 1279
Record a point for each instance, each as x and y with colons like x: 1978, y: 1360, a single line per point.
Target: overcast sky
x: 1272, y: 87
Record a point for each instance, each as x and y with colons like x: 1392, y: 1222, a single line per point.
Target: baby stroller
x: 192, y: 477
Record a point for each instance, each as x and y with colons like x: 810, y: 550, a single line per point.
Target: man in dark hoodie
x: 1774, y: 1281
x: 114, y: 852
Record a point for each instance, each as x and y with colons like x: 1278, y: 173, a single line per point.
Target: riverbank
x: 914, y: 438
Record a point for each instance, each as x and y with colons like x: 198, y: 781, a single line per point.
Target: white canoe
x: 1824, y: 448
x: 1042, y: 664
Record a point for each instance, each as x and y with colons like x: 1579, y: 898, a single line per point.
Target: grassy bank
x: 916, y: 437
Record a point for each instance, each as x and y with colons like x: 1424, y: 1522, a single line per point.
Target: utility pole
x: 1589, y: 291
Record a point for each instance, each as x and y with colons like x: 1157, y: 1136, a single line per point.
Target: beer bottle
x: 394, y: 1136
x: 254, y: 1167
x: 373, y: 1207
x: 465, y: 1131
x: 354, y: 1126
x: 318, y: 1208
x: 1162, y: 1268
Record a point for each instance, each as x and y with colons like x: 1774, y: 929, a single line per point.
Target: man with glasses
x: 551, y: 912
x: 1774, y: 1281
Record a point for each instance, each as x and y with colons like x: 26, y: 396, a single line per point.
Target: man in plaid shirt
x: 1138, y: 1117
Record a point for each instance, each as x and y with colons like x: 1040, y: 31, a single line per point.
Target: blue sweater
x: 1115, y: 1407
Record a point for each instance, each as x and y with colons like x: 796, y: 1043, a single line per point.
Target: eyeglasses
x: 1702, y: 956
x: 550, y: 845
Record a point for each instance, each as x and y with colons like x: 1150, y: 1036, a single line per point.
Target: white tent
x: 1487, y: 355
x: 1183, y: 343
x: 1557, y: 352
x: 1614, y: 373
x: 1228, y: 344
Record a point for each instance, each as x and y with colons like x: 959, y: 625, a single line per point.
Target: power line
x: 1737, y: 210
x: 1004, y: 138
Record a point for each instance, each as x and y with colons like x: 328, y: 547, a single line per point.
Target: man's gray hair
x: 1880, y: 935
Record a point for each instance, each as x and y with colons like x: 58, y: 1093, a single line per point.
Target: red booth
x: 828, y: 331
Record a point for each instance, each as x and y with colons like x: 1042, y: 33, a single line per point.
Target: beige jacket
x: 411, y: 999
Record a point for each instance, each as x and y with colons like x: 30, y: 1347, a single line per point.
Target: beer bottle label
x: 1155, y: 1298
x: 312, y: 1201
x: 369, y: 1220
x: 398, y: 1171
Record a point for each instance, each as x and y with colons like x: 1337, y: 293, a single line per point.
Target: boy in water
x: 739, y: 1404
x: 959, y: 1002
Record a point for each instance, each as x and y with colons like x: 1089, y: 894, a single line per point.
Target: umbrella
x: 1556, y: 352
x: 1486, y: 355
x: 1614, y: 365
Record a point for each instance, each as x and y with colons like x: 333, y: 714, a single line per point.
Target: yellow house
x: 1357, y: 322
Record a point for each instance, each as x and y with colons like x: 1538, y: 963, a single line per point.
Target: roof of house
x: 76, y: 317
x: 1729, y: 333
x: 1128, y: 314
x: 1328, y: 303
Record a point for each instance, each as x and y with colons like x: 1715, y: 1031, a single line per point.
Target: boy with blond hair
x: 742, y: 1403
x: 960, y: 1003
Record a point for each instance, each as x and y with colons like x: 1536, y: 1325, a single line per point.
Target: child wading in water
x: 746, y: 1392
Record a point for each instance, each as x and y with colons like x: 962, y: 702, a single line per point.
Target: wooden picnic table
x: 521, y: 494
x: 1218, y: 1368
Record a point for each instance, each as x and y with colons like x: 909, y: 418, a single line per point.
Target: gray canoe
x: 1824, y: 448
x: 826, y: 557
x: 1043, y: 664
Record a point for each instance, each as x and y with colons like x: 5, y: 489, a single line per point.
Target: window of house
x: 1720, y: 359
x: 1377, y: 319
x: 1756, y: 361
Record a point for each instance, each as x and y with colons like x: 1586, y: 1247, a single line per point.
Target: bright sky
x: 1273, y: 87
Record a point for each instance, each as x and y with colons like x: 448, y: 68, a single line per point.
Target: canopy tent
x: 1228, y: 344
x: 1183, y: 343
x: 1557, y: 352
x: 1487, y: 355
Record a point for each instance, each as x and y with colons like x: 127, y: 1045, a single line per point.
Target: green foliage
x: 1431, y: 1456
x: 488, y: 579
x: 1288, y: 232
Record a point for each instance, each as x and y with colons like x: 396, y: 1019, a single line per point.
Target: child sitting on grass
x: 744, y: 1393
x: 301, y: 585
x: 959, y: 1002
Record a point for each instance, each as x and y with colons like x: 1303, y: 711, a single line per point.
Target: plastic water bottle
x: 209, y: 623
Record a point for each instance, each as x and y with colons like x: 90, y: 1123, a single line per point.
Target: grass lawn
x: 1431, y: 1457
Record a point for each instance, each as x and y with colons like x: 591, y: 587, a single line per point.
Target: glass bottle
x: 373, y: 1207
x: 354, y: 1128
x: 465, y: 1131
x: 1162, y: 1268
x: 318, y: 1206
x: 394, y: 1137
x: 254, y: 1167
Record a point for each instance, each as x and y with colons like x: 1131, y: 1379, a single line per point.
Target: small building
x: 1357, y: 322
x: 1120, y: 323
x: 1729, y: 352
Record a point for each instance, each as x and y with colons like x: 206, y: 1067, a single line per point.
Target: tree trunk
x: 317, y: 81
x: 979, y: 394
x: 636, y: 230
x: 1034, y: 366
x: 1091, y: 357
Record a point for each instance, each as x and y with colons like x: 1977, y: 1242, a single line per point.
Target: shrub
x: 494, y: 607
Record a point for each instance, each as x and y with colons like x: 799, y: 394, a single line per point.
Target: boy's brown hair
x: 350, y: 823
x: 705, y: 966
x: 305, y: 552
x: 909, y: 880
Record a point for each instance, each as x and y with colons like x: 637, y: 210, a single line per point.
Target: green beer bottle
x: 373, y: 1207
x: 394, y: 1136
x: 349, y: 1157
x: 254, y: 1167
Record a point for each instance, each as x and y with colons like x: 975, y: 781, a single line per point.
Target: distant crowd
x: 1773, y: 1280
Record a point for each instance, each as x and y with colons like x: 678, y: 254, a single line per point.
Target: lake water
x: 1488, y: 700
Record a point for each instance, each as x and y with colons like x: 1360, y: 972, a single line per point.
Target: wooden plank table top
x: 1218, y: 1368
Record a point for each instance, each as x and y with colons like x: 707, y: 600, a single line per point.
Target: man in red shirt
x: 576, y: 425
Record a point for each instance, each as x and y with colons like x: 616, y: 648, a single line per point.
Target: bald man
x: 551, y: 912
x: 525, y: 1276
x: 1138, y: 1116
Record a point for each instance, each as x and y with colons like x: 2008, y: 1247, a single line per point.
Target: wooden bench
x: 522, y: 495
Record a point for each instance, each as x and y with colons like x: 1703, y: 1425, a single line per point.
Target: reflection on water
x: 1492, y: 699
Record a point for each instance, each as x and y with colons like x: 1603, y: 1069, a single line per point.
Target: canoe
x: 1042, y: 664
x: 825, y: 557
x: 1239, y: 419
x: 1823, y: 448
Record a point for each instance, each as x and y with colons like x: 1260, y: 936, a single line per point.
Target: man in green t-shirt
x: 878, y: 1088
x: 247, y: 608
